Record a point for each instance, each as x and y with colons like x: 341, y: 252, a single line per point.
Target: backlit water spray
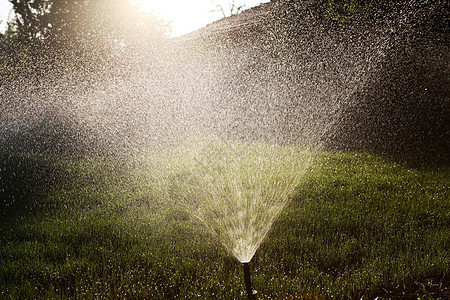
x: 236, y: 107
x: 237, y: 189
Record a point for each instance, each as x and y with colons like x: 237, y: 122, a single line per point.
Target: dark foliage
x: 23, y: 179
x: 362, y: 75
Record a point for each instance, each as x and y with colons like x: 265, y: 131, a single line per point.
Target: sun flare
x: 183, y: 16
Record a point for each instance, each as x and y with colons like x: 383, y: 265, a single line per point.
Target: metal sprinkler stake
x: 248, y: 283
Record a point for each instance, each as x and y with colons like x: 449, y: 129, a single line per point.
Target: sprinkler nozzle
x: 248, y: 283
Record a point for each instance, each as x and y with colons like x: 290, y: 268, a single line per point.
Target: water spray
x: 248, y: 283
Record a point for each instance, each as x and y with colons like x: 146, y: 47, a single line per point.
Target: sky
x: 184, y: 16
x: 5, y: 8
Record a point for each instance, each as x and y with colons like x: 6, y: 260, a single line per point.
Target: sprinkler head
x: 251, y: 294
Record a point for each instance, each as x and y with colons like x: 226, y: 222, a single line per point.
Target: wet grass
x: 359, y: 225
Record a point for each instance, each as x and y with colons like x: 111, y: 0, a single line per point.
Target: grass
x: 358, y: 225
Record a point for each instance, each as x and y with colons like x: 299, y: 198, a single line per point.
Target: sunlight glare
x: 183, y: 16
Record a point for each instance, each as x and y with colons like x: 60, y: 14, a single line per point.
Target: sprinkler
x: 248, y: 283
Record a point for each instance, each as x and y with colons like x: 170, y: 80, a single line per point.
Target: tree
x: 343, y: 11
x: 45, y: 18
x: 90, y: 31
x: 56, y: 54
x: 230, y: 8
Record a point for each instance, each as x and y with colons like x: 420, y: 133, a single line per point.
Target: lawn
x: 86, y: 227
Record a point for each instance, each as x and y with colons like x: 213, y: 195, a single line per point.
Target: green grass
x: 358, y: 225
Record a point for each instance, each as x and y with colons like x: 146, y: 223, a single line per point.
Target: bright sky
x: 5, y: 8
x: 184, y: 15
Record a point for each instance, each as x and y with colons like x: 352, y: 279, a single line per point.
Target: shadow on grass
x: 24, y: 180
